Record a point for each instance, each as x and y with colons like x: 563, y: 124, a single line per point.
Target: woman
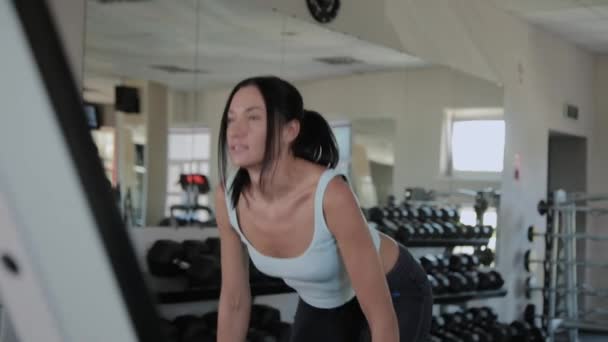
x: 285, y: 208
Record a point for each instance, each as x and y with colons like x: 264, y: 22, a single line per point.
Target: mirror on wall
x: 401, y: 122
x: 140, y: 78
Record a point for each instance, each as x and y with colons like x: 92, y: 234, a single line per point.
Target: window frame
x: 467, y: 114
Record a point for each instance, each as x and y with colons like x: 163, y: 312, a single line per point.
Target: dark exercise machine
x: 67, y: 260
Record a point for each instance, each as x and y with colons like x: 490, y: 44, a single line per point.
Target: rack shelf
x: 444, y: 242
x: 455, y: 298
x: 213, y: 293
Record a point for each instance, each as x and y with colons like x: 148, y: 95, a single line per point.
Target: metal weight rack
x: 561, y: 288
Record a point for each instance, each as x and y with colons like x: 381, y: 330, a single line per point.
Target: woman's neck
x: 278, y: 181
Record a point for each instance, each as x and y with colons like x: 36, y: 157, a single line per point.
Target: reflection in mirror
x: 401, y: 122
x: 140, y: 56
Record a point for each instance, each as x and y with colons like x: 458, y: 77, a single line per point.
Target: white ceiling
x: 583, y: 22
x: 234, y: 40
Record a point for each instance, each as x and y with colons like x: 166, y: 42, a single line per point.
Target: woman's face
x: 246, y: 130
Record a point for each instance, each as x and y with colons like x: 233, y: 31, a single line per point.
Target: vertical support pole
x: 553, y: 274
x: 572, y: 270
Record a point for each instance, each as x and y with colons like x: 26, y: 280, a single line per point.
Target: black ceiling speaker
x: 323, y: 11
x: 126, y: 99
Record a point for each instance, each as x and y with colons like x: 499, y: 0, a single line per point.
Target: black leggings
x: 412, y: 300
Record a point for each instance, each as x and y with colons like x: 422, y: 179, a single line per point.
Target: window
x: 475, y: 144
x: 343, y: 133
x: 189, y: 151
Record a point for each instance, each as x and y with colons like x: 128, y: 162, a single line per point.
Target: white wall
x: 429, y: 92
x: 598, y: 179
x: 416, y: 99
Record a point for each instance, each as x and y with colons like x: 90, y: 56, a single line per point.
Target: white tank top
x: 318, y: 275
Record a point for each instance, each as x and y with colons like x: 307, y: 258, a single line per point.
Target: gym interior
x: 472, y: 133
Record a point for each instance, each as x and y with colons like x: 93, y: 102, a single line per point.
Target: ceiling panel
x: 235, y: 39
x: 582, y: 22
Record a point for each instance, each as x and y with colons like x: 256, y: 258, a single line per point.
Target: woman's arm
x: 235, y: 295
x: 363, y: 264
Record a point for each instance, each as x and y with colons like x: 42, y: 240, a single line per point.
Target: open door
x: 568, y: 171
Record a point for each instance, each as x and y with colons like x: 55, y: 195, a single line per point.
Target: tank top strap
x: 319, y: 219
x: 232, y: 216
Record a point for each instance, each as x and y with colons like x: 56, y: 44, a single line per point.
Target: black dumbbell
x: 522, y: 331
x: 484, y: 335
x: 255, y: 335
x: 491, y: 280
x: 438, y: 330
x: 434, y: 338
x: 280, y: 330
x: 423, y: 230
x: 499, y: 332
x: 194, y: 248
x: 383, y: 218
x: 192, y: 328
x: 485, y: 255
x: 388, y: 231
x: 454, y: 323
x: 472, y: 278
x: 471, y: 232
x: 463, y: 262
x: 451, y: 321
x: 459, y: 262
x: 425, y: 213
x: 473, y: 261
x: 484, y: 316
x: 169, y: 330
x: 166, y: 258
x: 214, y: 245
x: 458, y: 283
x: 211, y: 319
x: 469, y: 324
x: 432, y: 217
x: 429, y: 263
x: 443, y: 281
x: 486, y: 232
x: 449, y: 215
x: 263, y: 316
x: 434, y: 263
x: 406, y: 231
x: 452, y: 230
x: 434, y: 284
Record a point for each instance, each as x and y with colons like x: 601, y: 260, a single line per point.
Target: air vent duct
x: 339, y: 60
x: 174, y: 69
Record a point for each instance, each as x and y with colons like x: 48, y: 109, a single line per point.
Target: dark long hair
x: 315, y: 142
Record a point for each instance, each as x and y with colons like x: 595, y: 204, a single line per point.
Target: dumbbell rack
x: 560, y: 267
x: 482, y: 200
x: 176, y: 292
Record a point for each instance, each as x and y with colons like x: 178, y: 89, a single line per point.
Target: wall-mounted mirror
x: 401, y: 122
x: 140, y: 76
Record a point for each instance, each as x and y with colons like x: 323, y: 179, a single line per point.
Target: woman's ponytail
x: 316, y: 141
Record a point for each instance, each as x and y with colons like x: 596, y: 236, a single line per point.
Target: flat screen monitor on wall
x: 92, y: 115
